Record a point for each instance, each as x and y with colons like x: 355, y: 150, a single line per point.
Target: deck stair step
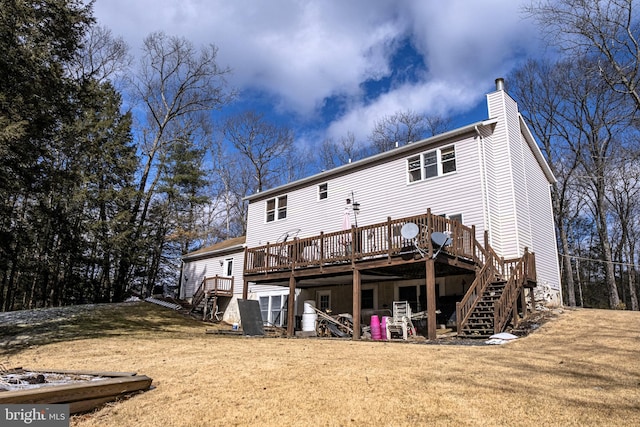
x: 480, y: 323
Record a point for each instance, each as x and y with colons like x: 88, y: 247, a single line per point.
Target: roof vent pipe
x: 499, y: 83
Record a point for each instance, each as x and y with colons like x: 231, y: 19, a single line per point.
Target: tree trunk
x: 610, y: 278
x: 631, y: 271
x: 568, y: 268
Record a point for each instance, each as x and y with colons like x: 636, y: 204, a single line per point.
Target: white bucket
x: 309, y: 321
x: 309, y: 306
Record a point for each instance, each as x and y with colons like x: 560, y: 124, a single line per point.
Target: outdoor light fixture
x: 355, y: 206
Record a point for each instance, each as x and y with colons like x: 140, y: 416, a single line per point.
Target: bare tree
x: 177, y: 86
x: 399, y: 128
x: 404, y: 127
x: 597, y: 116
x: 436, y: 124
x: 261, y: 144
x: 333, y: 154
x: 623, y: 197
x: 537, y: 85
x: 233, y: 181
x: 102, y: 56
x: 607, y: 29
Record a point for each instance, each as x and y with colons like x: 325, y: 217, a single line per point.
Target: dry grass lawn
x: 581, y: 368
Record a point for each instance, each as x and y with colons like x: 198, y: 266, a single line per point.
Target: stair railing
x: 505, y: 305
x: 199, y: 294
x: 486, y: 275
x: 222, y: 286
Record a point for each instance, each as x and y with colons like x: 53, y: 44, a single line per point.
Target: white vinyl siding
x: 382, y: 191
x: 193, y: 272
x: 543, y: 233
x: 500, y: 175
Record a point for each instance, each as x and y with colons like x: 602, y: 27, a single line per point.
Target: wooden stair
x: 206, y: 297
x: 481, y: 320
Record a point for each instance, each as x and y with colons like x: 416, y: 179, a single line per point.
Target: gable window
x: 323, y: 191
x: 276, y: 208
x: 431, y: 164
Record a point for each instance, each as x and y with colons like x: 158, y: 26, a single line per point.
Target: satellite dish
x: 440, y: 239
x: 409, y: 230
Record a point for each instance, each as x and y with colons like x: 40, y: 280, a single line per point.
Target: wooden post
x: 532, y: 297
x: 356, y: 304
x: 523, y: 302
x: 291, y: 306
x: 245, y: 289
x: 431, y: 299
x: 429, y: 232
x: 389, y: 240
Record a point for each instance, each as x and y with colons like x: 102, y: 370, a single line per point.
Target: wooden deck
x: 381, y: 248
x: 380, y: 243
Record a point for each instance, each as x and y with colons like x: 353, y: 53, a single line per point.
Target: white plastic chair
x: 401, y: 320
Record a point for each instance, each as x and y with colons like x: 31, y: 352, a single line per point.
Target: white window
x: 273, y: 309
x: 414, y: 169
x: 323, y: 191
x: 276, y: 208
x: 430, y: 161
x: 323, y: 300
x: 431, y: 164
x: 448, y: 159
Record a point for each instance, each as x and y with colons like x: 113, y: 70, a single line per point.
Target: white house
x: 486, y: 185
x: 216, y: 269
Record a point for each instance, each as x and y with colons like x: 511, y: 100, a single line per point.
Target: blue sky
x: 330, y: 67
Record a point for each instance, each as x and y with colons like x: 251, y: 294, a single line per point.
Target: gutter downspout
x: 486, y: 206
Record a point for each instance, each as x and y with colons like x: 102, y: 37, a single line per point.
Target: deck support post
x: 245, y: 289
x: 431, y: 299
x: 532, y: 297
x: 291, y: 302
x: 523, y: 302
x: 356, y: 304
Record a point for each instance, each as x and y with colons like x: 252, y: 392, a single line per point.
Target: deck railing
x: 217, y: 285
x: 361, y: 243
x: 520, y: 273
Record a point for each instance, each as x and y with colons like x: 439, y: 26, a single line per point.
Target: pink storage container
x: 383, y: 328
x: 375, y: 327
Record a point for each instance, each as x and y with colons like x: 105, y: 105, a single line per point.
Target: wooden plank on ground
x: 85, y: 390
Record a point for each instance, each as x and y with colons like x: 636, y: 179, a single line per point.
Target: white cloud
x: 303, y: 52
